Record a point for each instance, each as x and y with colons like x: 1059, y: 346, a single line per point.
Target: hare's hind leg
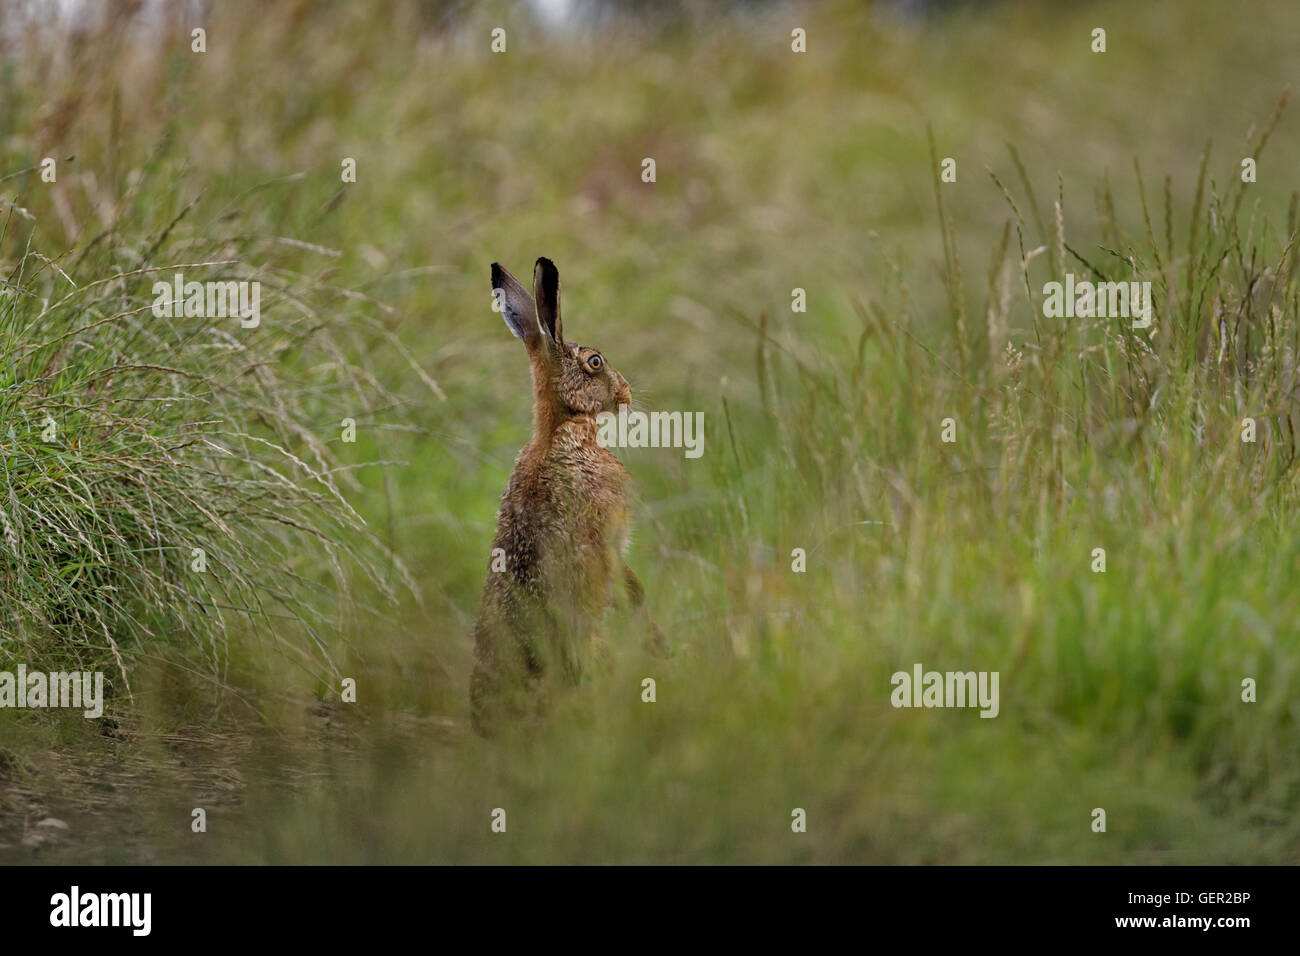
x: 504, y: 687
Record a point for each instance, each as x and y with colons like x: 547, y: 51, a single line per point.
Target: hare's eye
x: 595, y: 362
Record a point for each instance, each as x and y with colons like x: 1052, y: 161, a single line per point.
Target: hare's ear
x: 516, y: 307
x: 546, y: 290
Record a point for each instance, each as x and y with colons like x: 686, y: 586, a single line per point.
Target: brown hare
x: 563, y: 522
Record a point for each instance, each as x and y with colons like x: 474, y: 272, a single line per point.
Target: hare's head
x: 568, y: 379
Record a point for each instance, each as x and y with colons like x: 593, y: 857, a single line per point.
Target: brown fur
x: 563, y: 522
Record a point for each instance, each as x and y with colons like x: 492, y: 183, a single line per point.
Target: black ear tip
x: 496, y: 275
x: 547, y: 276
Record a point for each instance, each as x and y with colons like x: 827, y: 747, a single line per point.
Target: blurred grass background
x: 775, y: 170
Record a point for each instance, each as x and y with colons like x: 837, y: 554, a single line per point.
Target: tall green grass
x: 164, y: 479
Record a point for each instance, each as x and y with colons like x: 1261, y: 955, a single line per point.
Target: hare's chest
x: 591, y: 486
